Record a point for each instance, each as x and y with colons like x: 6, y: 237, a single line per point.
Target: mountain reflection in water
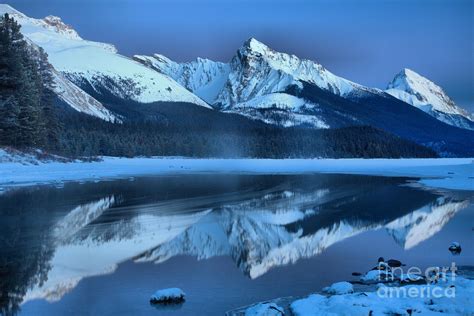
x: 52, y: 238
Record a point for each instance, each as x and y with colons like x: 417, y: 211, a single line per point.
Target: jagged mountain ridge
x: 256, y: 73
x: 283, y: 90
x: 254, y: 82
x: 424, y: 94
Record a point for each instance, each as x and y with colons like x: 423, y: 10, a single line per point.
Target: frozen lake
x: 227, y: 240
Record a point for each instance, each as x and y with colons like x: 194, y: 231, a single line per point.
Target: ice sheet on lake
x: 450, y: 173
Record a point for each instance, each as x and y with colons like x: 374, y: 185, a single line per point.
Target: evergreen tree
x: 51, y: 126
x: 26, y: 91
x: 11, y: 71
x: 29, y: 99
x: 9, y: 125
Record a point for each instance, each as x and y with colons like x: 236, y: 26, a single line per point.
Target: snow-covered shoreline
x: 446, y: 173
x: 453, y: 296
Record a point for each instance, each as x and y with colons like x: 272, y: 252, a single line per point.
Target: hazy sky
x: 367, y: 41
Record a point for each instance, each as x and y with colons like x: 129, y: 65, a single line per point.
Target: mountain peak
x: 412, y: 88
x: 5, y: 8
x: 254, y: 45
x: 410, y: 77
x: 59, y: 26
x: 422, y: 88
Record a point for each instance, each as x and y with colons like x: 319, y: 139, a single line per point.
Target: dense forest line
x: 32, y: 116
x: 204, y: 134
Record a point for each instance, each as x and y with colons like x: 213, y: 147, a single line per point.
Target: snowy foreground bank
x: 449, y: 173
x: 450, y: 297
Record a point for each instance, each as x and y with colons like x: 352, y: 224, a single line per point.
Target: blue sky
x: 367, y: 41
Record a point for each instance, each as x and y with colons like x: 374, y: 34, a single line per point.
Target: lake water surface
x: 226, y: 240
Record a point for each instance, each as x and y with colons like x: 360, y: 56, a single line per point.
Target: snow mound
x: 171, y: 295
x: 339, y: 288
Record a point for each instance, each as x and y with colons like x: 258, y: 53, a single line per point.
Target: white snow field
x: 447, y: 173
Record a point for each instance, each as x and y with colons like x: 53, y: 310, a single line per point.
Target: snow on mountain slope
x: 79, y: 100
x: 276, y: 100
x: 281, y: 109
x: 422, y: 93
x: 203, y: 77
x: 67, y: 91
x: 98, y: 64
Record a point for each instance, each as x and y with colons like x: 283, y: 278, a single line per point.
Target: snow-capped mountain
x: 258, y: 70
x: 258, y: 83
x: 263, y: 84
x: 66, y: 91
x: 98, y: 65
x: 254, y: 83
x: 424, y: 94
